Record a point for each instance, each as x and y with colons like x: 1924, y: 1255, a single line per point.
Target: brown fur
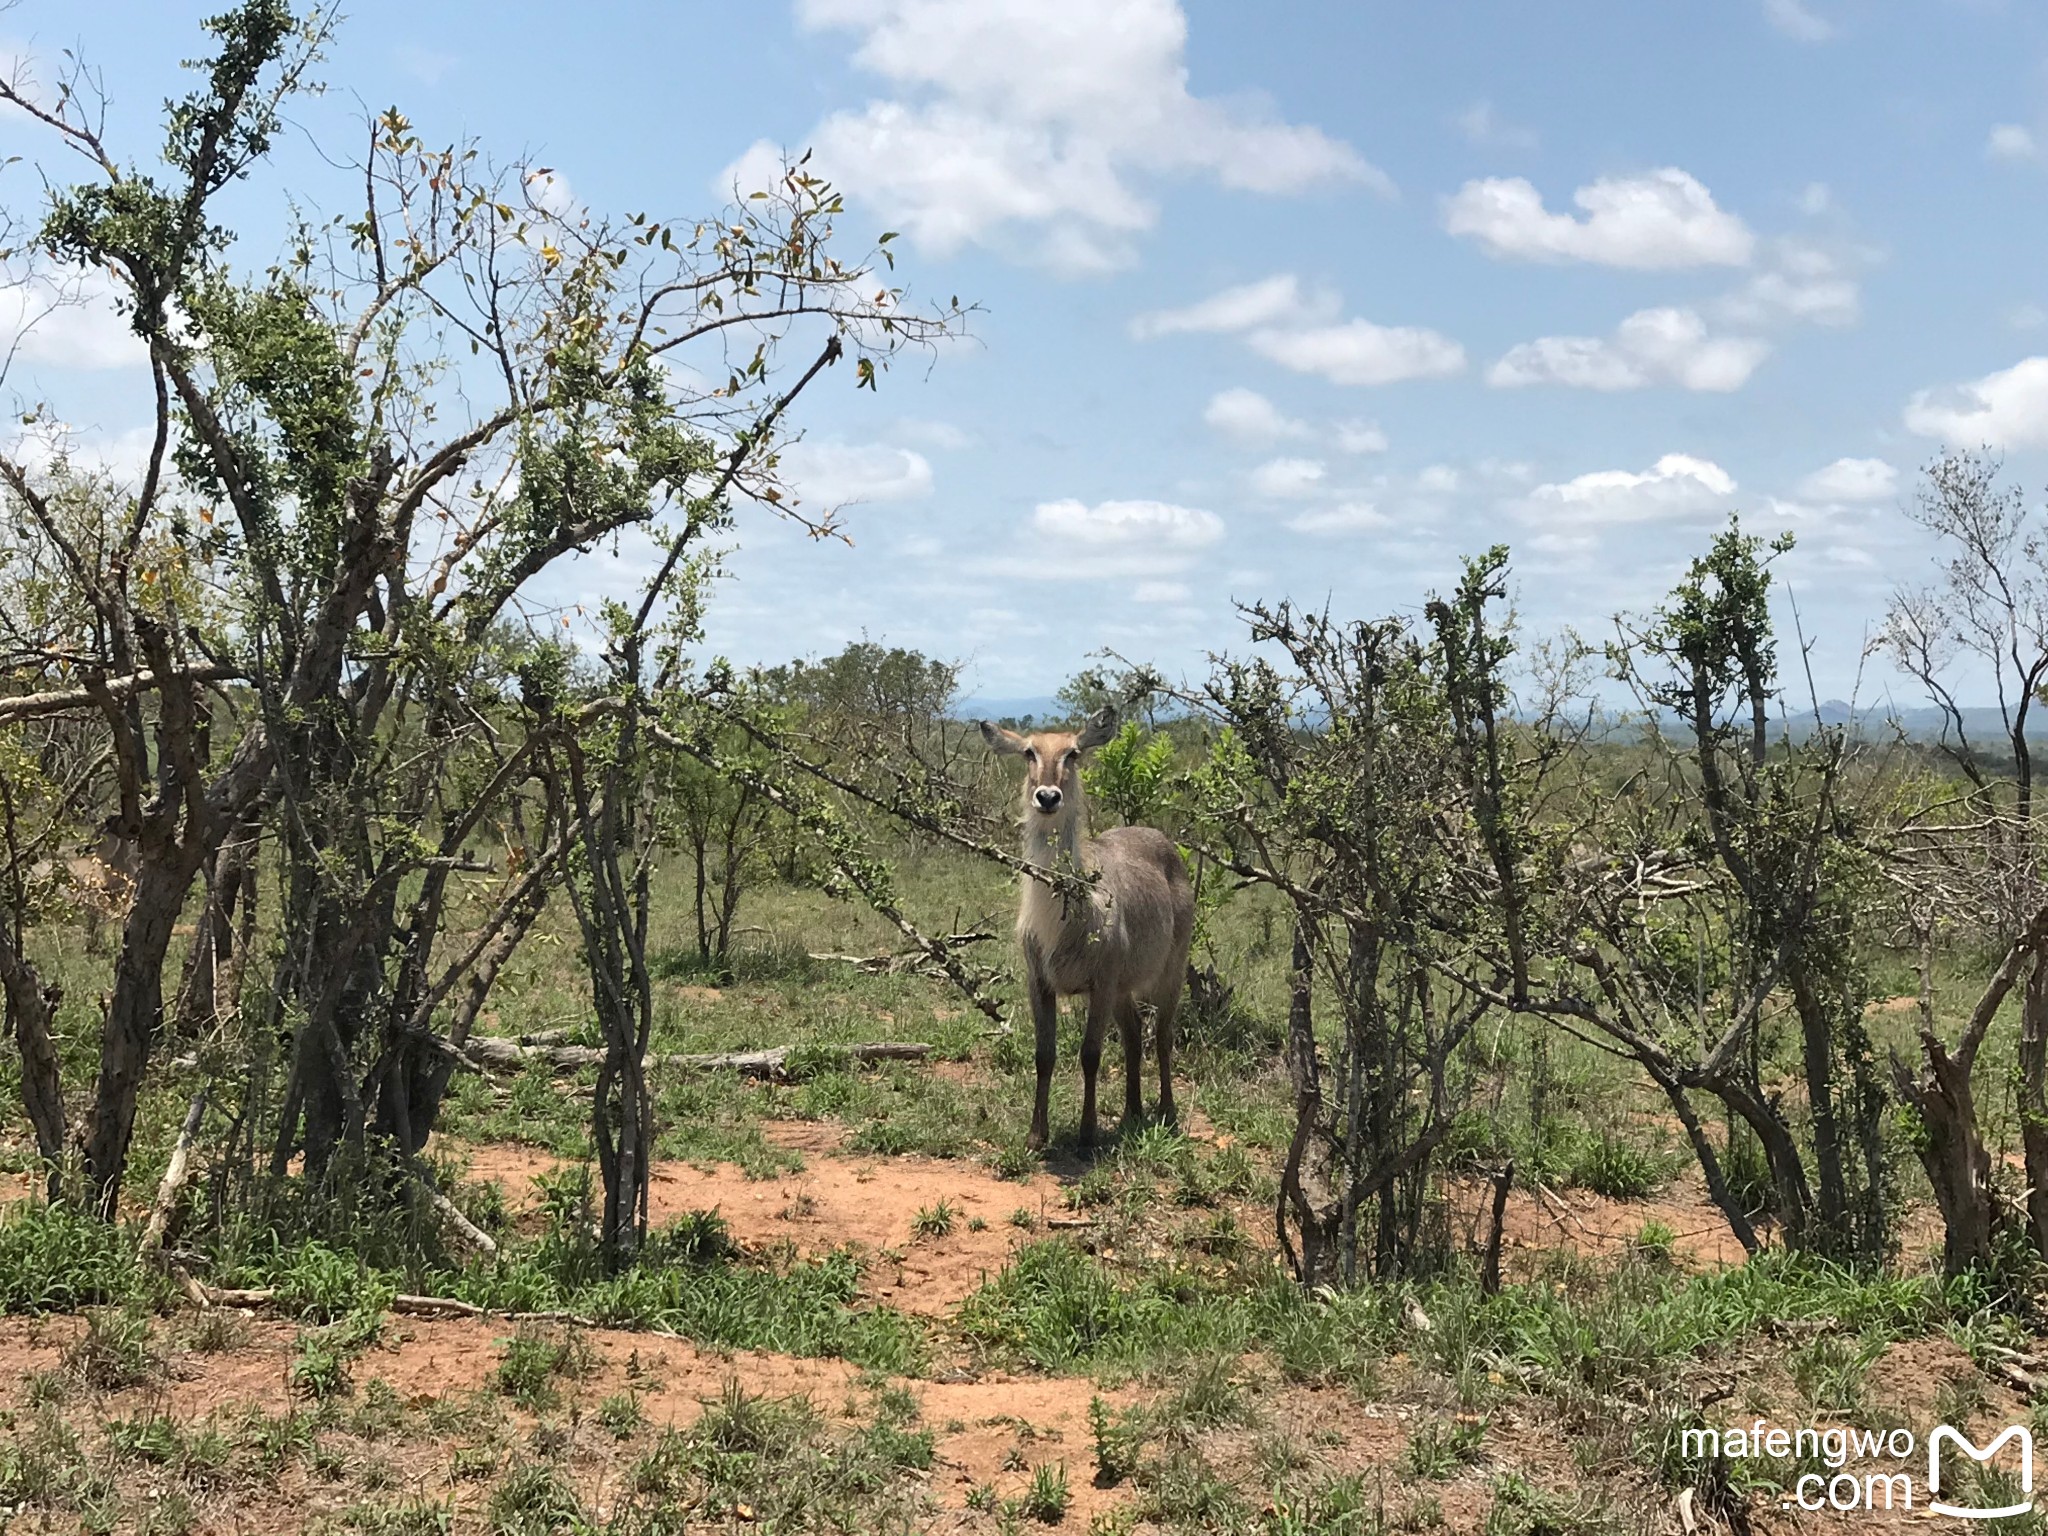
x: 1124, y: 949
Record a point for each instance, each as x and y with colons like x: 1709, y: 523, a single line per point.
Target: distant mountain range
x: 1921, y: 723
x: 1043, y: 707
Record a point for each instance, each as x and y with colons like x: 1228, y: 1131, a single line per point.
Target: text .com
x: 1949, y: 1488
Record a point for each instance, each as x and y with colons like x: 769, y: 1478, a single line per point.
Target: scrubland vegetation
x: 477, y: 1074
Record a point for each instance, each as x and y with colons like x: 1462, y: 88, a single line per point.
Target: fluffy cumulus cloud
x: 1652, y: 346
x: 2010, y: 141
x: 1047, y: 119
x: 834, y: 474
x: 1122, y: 524
x: 1677, y: 487
x: 1288, y: 478
x: 1851, y: 480
x: 1802, y: 282
x: 1361, y: 437
x: 2007, y: 409
x: 1284, y: 321
x: 1070, y: 540
x: 1281, y: 298
x: 122, y: 457
x: 1246, y: 416
x: 1659, y: 221
x: 1360, y: 352
x: 67, y: 319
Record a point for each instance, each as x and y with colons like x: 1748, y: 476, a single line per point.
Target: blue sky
x: 1297, y: 299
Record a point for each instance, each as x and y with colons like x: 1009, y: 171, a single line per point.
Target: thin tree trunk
x: 1817, y: 1051
x: 134, y: 1014
x: 2033, y: 1098
x: 32, y: 1010
x: 1489, y: 1268
x: 1311, y: 1261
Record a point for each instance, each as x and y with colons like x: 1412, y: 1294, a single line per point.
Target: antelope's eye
x: 1030, y: 754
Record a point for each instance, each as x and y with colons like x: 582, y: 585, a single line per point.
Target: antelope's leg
x: 1162, y: 1024
x: 1101, y: 1004
x: 1130, y: 1024
x: 1045, y: 1023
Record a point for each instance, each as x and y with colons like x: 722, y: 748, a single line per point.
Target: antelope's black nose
x: 1048, y: 799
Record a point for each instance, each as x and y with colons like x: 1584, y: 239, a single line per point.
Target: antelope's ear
x: 1100, y: 727
x: 1004, y: 743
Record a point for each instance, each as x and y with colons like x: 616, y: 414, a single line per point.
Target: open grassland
x: 870, y: 1309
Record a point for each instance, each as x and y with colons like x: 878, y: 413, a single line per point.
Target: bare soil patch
x: 869, y: 1204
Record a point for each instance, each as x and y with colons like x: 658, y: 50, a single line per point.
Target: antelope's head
x: 1052, y: 766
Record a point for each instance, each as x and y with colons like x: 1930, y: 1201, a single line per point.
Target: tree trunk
x: 1794, y: 1197
x: 1710, y: 1164
x: 134, y: 1015
x: 1314, y: 1261
x: 1831, y: 1233
x: 32, y: 1010
x: 1952, y: 1151
x: 2033, y: 1098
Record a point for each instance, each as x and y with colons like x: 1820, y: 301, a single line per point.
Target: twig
x: 498, y: 1055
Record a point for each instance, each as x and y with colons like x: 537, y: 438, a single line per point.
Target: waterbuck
x: 1125, y: 945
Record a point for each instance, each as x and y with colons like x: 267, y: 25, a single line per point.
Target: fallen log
x: 494, y: 1054
x: 175, y: 1174
x: 411, y: 1306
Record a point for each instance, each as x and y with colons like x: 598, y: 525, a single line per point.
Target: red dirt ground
x: 868, y: 1203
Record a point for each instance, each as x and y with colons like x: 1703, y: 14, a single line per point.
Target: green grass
x: 535, y: 1357
x: 57, y: 1259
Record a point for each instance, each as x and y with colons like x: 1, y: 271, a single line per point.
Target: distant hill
x: 1040, y: 709
x: 1872, y: 722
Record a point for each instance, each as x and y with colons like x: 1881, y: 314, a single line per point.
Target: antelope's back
x: 1150, y: 900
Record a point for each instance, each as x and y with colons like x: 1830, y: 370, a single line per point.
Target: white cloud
x: 1346, y: 517
x: 1798, y: 21
x: 549, y: 191
x: 2007, y: 409
x: 1652, y: 346
x: 1046, y: 118
x: 1438, y: 480
x: 1851, y: 480
x: 1160, y: 592
x: 2010, y: 141
x: 1298, y: 329
x: 1265, y: 302
x: 2026, y: 317
x: 1361, y: 437
x: 834, y: 474
x: 1676, y: 486
x: 1359, y: 352
x: 1816, y: 198
x: 1658, y: 221
x: 1804, y: 283
x: 925, y: 433
x: 1287, y: 478
x: 122, y: 458
x: 1481, y: 125
x: 1128, y: 524
x: 67, y: 319
x: 1246, y: 416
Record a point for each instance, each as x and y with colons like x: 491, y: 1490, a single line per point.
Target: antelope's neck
x: 1057, y: 847
x: 1050, y: 846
